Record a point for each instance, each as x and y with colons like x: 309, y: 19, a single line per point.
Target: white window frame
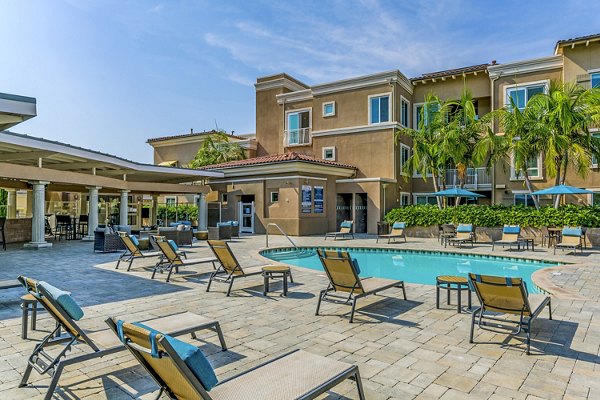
x: 271, y: 197
x: 524, y: 85
x: 390, y: 116
x: 416, y: 195
x: 595, y: 71
x: 520, y: 192
x: 415, y: 120
x: 402, y: 145
x: 331, y: 114
x: 402, y: 196
x: 513, y: 172
x: 332, y: 148
x: 593, y: 132
x: 286, y: 126
x: 172, y: 198
x: 405, y: 100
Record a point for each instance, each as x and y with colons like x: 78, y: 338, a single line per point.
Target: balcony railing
x: 297, y: 137
x: 476, y: 178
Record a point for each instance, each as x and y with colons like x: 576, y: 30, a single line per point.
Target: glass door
x: 247, y: 217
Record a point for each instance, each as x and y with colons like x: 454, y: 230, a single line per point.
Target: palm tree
x: 216, y: 148
x: 427, y: 156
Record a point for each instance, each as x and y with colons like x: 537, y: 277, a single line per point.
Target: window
x: 404, y: 107
x: 595, y: 78
x: 595, y: 199
x: 522, y: 94
x: 404, y: 156
x: 329, y: 153
x: 404, y: 199
x: 298, y: 127
x: 524, y: 199
x: 274, y: 197
x: 419, y: 109
x: 594, y: 158
x: 329, y: 109
x: 534, y: 169
x: 171, y: 201
x: 425, y: 199
x: 224, y: 197
x: 379, y: 109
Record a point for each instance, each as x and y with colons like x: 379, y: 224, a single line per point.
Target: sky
x: 109, y: 74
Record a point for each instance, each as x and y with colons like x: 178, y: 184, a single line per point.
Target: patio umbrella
x: 456, y: 192
x: 562, y: 189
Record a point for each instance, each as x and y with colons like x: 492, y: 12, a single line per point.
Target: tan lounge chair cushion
x: 192, y: 261
x: 287, y: 378
x: 374, y: 284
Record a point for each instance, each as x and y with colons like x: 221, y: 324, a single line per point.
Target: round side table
x: 450, y: 283
x: 275, y: 271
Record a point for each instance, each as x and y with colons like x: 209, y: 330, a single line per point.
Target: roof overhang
x: 585, y: 40
x: 25, y: 157
x: 526, y: 66
x: 287, y: 167
x: 15, y: 109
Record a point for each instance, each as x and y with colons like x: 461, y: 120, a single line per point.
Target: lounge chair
x: 172, y: 260
x: 445, y: 232
x: 571, y: 239
x: 182, y: 372
x: 396, y: 232
x: 464, y: 233
x: 511, y: 234
x: 229, y: 269
x: 94, y: 344
x: 508, y: 296
x: 345, y: 230
x: 345, y: 285
x: 132, y: 250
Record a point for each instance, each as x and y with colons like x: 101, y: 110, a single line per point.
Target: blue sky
x: 109, y: 74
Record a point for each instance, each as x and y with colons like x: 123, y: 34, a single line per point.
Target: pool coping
x: 541, y: 277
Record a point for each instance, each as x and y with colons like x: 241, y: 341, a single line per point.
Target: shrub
x: 498, y: 215
x: 181, y: 212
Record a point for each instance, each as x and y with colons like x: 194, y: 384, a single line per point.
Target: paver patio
x: 404, y: 349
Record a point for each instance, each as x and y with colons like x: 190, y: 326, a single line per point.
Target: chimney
x: 191, y: 130
x: 493, y: 62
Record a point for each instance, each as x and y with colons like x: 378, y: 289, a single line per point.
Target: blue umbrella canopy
x: 562, y: 189
x: 456, y: 192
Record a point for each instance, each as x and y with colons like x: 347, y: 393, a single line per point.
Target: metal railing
x: 297, y: 137
x: 476, y: 178
x: 280, y: 230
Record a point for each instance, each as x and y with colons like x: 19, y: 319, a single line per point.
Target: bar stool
x: 28, y: 303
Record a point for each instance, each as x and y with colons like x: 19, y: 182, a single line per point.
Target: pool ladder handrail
x: 280, y: 230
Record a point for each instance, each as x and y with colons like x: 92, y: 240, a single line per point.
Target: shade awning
x: 561, y: 189
x: 456, y: 192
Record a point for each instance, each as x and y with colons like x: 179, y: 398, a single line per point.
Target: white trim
x: 244, y: 143
x: 594, y: 131
x: 402, y: 98
x: 279, y: 82
x: 402, y: 145
x: 286, y: 127
x: 325, y: 114
x: 524, y: 85
x: 333, y: 152
x: 269, y: 179
x: 380, y: 78
x: 361, y: 180
x: 526, y: 66
x: 593, y: 71
x: 390, y: 116
x: 409, y: 198
x: 520, y: 191
x: 300, y: 95
x: 414, y: 115
x: 271, y: 197
x: 356, y: 129
x: 425, y: 194
x: 513, y: 172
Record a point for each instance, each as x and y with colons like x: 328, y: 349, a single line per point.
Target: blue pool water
x: 416, y: 266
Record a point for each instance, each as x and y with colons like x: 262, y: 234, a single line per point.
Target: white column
x: 38, y: 239
x: 123, y: 207
x: 11, y: 204
x: 202, y: 212
x: 154, y: 212
x: 92, y: 212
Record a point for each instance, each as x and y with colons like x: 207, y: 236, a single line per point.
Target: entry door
x: 247, y: 217
x: 360, y: 213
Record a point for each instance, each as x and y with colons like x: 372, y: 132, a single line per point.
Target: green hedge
x: 492, y: 216
x: 182, y: 212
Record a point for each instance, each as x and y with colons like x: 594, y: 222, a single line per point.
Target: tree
x: 216, y: 148
x: 3, y: 202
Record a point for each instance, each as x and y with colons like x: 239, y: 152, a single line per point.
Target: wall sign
x: 318, y: 205
x: 306, y: 199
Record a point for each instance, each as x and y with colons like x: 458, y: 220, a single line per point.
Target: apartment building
x: 345, y: 131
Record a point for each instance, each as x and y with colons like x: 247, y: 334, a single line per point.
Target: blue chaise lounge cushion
x: 512, y: 229
x: 399, y: 225
x: 134, y: 240
x: 464, y: 228
x: 64, y: 299
x: 571, y: 231
x: 346, y: 224
x: 173, y: 244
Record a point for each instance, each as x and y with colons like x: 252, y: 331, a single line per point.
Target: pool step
x: 292, y: 254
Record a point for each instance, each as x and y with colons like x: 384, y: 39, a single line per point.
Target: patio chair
x: 182, y: 371
x: 511, y: 234
x: 507, y: 296
x: 132, y: 250
x: 571, y: 239
x: 229, y: 269
x: 345, y: 285
x: 171, y: 259
x: 345, y: 230
x: 97, y: 344
x: 446, y: 231
x: 396, y: 232
x: 464, y: 233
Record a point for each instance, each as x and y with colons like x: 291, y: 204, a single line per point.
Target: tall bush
x: 498, y: 215
x: 182, y: 212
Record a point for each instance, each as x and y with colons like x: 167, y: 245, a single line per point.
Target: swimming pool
x: 416, y: 266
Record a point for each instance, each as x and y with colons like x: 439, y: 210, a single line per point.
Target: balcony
x: 476, y: 179
x: 297, y: 137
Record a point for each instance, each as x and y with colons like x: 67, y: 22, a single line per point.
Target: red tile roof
x: 192, y: 134
x: 277, y: 158
x: 456, y: 71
